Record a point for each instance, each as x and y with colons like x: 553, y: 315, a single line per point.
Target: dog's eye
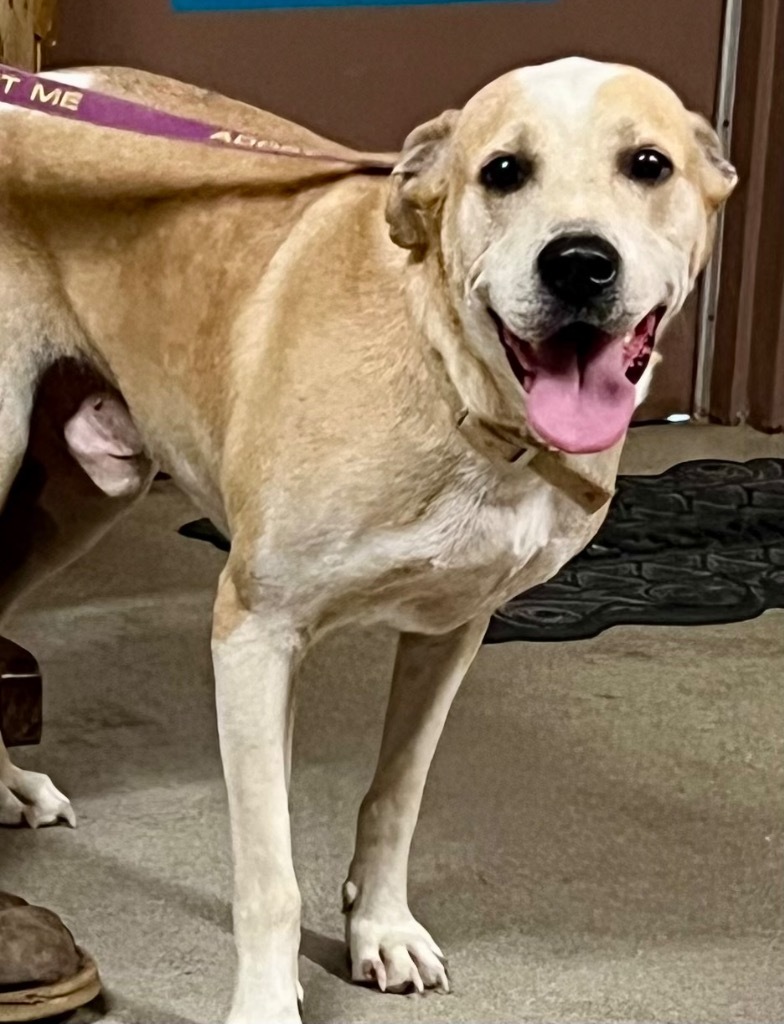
x: 649, y: 165
x: 505, y: 173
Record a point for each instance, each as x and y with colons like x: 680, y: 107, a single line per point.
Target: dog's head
x: 570, y: 207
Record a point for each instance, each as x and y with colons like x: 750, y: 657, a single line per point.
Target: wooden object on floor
x: 21, y: 706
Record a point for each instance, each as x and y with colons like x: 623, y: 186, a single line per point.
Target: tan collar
x: 566, y: 472
x: 590, y: 483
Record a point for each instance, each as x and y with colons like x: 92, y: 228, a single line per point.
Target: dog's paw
x: 33, y: 798
x: 395, y: 953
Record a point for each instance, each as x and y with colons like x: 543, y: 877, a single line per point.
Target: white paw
x: 32, y: 797
x: 395, y: 952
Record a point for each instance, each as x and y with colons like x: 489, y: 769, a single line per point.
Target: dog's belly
x: 464, y: 559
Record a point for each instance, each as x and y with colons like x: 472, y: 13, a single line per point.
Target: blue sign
x: 261, y: 5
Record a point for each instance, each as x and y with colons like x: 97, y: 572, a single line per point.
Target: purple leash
x: 47, y: 95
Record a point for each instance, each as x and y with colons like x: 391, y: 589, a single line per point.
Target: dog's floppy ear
x: 717, y: 175
x: 418, y: 182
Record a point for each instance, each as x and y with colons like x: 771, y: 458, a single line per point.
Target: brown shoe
x: 42, y: 970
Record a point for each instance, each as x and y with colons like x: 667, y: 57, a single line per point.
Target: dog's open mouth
x: 580, y: 382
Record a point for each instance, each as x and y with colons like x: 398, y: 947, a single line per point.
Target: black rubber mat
x: 702, y: 543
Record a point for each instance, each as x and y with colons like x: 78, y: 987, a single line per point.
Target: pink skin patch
x: 103, y: 439
x: 581, y: 382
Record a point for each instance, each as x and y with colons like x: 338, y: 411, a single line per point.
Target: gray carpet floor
x: 601, y: 838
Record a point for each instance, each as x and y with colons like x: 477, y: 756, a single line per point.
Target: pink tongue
x: 581, y: 401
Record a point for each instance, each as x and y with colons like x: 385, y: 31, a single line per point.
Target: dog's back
x: 46, y: 153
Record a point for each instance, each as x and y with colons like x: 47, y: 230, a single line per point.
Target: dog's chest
x: 476, y: 545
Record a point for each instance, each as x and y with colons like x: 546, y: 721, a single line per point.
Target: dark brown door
x: 367, y: 75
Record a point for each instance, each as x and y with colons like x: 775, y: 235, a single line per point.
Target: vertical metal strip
x: 709, y: 294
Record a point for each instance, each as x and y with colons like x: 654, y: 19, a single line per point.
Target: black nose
x: 578, y: 268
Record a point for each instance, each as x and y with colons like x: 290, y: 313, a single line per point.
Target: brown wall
x: 748, y: 367
x: 368, y: 75
x: 22, y: 26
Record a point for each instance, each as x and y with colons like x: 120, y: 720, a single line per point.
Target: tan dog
x: 357, y: 411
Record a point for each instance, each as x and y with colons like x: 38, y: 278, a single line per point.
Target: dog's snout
x: 578, y: 269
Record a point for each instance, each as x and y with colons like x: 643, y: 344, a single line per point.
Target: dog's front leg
x: 387, y: 944
x: 254, y: 655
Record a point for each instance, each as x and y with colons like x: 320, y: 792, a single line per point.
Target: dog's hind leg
x: 42, y: 522
x: 83, y: 467
x: 19, y: 372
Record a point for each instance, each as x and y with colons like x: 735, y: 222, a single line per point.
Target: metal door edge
x: 709, y: 293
